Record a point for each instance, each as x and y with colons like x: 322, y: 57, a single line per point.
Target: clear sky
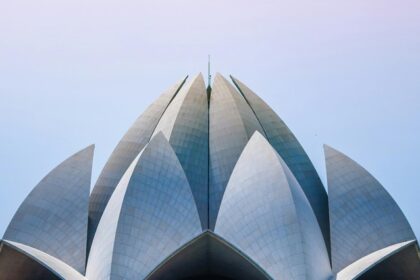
x: 345, y: 73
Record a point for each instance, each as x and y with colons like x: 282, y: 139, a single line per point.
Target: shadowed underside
x: 404, y: 265
x: 207, y: 257
x: 16, y: 265
x: 20, y: 261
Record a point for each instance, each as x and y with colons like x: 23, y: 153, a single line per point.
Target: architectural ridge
x: 127, y: 149
x: 247, y: 101
x: 288, y: 147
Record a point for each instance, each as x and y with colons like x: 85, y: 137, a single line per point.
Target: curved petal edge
x: 54, y: 265
x: 157, y: 215
x: 231, y: 125
x: 363, y: 216
x: 356, y: 269
x: 265, y: 214
x: 291, y: 151
x: 134, y: 140
x: 53, y: 217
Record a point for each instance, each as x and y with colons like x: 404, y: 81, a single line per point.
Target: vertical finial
x: 208, y: 72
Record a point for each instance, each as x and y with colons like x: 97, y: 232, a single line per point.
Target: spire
x: 209, y: 79
x: 208, y: 72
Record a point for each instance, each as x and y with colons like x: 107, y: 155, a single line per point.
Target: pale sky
x: 345, y: 73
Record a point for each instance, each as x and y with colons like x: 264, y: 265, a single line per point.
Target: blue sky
x: 345, y: 73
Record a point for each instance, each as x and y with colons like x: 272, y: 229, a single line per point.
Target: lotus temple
x: 209, y: 183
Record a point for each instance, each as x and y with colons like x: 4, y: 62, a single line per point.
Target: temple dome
x: 209, y: 183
